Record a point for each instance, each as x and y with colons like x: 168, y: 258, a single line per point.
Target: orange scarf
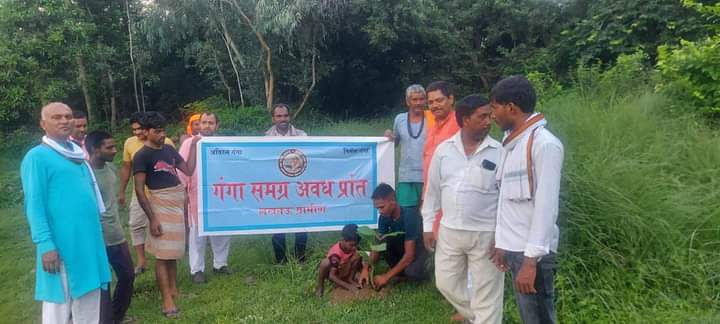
x: 193, y: 118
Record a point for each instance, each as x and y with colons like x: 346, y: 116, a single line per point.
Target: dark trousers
x: 278, y: 243
x: 416, y: 270
x: 112, y: 310
x: 539, y: 307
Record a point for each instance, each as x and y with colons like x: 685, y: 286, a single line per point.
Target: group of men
x: 72, y: 200
x: 487, y: 207
x: 483, y: 207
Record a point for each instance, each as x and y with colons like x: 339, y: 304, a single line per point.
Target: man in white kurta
x: 461, y: 183
x: 196, y: 244
x: 529, y: 176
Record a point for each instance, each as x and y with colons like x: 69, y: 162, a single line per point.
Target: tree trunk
x: 227, y: 40
x: 132, y: 58
x: 82, y: 81
x: 113, y: 104
x: 310, y: 88
x: 142, y: 90
x: 267, y: 72
x: 222, y: 78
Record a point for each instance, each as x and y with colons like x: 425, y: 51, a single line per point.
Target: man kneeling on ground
x: 405, y: 253
x: 343, y: 264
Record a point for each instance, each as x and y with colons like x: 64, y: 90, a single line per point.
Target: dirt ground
x: 342, y: 296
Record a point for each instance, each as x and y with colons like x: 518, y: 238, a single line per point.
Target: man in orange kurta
x: 441, y: 102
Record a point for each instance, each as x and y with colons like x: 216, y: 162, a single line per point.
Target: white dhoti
x: 83, y: 310
x: 196, y: 244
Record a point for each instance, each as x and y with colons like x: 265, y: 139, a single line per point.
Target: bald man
x: 63, y: 206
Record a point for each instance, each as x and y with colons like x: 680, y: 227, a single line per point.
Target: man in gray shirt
x: 409, y: 131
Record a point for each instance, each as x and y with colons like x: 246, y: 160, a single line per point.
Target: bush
x: 234, y: 119
x: 11, y: 193
x: 19, y: 141
x: 690, y: 73
x: 615, y: 83
x: 640, y: 216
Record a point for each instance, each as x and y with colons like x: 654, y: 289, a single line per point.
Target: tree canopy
x: 342, y: 57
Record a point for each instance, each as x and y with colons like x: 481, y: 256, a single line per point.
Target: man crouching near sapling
x: 342, y: 264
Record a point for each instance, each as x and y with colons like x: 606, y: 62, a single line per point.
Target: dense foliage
x: 690, y: 72
x: 345, y: 58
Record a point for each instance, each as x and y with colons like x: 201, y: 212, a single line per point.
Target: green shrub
x: 690, y: 73
x: 234, y: 119
x: 614, y: 83
x: 10, y: 189
x: 545, y: 85
x: 19, y: 141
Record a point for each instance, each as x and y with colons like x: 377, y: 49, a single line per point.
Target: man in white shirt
x: 282, y: 127
x: 526, y: 237
x: 220, y: 245
x: 461, y: 182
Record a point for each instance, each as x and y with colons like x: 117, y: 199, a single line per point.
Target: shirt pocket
x: 482, y: 179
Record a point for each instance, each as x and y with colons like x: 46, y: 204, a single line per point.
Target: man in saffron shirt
x: 441, y: 102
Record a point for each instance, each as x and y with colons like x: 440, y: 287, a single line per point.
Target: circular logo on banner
x: 292, y: 162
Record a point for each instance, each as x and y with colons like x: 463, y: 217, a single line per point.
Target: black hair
x: 383, y: 191
x: 153, y: 119
x: 443, y: 86
x: 516, y: 89
x: 279, y: 105
x: 210, y: 113
x: 467, y: 106
x: 95, y: 139
x: 78, y: 114
x: 350, y: 233
x: 136, y: 117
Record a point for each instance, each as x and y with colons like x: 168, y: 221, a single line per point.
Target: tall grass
x: 640, y: 216
x: 639, y: 219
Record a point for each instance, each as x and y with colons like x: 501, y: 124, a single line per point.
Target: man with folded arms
x: 461, y: 183
x: 63, y: 206
x: 529, y: 175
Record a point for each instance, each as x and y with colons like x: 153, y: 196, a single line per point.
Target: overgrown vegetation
x: 345, y: 58
x: 640, y: 227
x: 690, y: 72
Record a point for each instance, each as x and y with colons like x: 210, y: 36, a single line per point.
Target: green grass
x: 640, y: 231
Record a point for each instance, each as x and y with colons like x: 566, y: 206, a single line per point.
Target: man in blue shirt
x: 63, y: 206
x: 409, y: 130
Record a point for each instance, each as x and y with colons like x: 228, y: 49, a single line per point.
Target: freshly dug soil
x: 342, y: 296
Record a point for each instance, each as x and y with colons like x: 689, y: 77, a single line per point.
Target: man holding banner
x: 196, y: 244
x: 156, y: 165
x: 282, y: 127
x: 409, y: 131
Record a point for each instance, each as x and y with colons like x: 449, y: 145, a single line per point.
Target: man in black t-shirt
x: 405, y: 253
x: 155, y: 166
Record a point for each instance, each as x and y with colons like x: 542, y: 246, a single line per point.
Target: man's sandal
x: 172, y: 314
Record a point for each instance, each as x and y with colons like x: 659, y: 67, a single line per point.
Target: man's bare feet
x: 457, y: 317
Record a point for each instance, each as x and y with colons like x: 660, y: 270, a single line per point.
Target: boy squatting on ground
x: 342, y: 264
